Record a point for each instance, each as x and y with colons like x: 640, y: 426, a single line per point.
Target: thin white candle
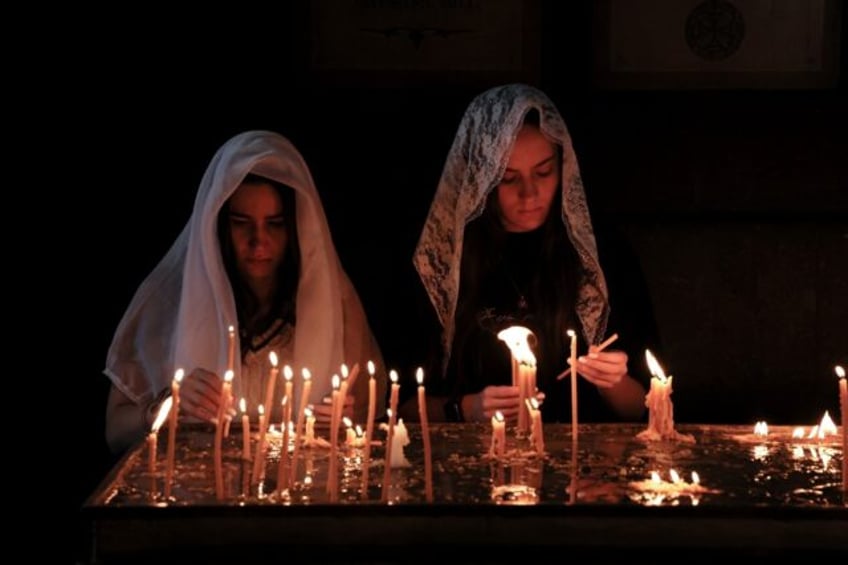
x: 245, y: 430
x: 172, y: 431
x: 369, y: 426
x: 425, y: 435
x: 573, y: 356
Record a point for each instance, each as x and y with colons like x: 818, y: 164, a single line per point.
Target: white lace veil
x: 475, y: 164
x: 180, y: 314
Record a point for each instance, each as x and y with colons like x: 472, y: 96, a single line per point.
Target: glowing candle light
x: 425, y: 434
x: 843, y: 407
x: 523, y: 369
x: 392, y: 413
x: 537, y: 435
x: 310, y: 426
x: 497, y: 448
x: 573, y: 356
x: 369, y: 426
x: 259, y: 460
x: 334, y: 414
x: 172, y: 431
x: 761, y: 428
x: 245, y: 430
x: 282, y: 473
x: 350, y: 435
x: 301, y: 414
x: 223, y: 403
x: 231, y: 348
x: 164, y: 409
x: 660, y: 408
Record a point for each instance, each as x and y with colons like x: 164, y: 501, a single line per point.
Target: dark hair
x: 283, y: 304
x: 551, y: 288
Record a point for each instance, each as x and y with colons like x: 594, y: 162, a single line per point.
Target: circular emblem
x: 714, y: 30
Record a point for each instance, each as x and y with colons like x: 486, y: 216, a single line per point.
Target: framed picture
x: 454, y: 40
x: 751, y: 44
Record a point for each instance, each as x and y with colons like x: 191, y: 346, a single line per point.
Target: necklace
x: 522, y: 300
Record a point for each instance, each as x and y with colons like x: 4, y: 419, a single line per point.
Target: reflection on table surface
x: 730, y: 493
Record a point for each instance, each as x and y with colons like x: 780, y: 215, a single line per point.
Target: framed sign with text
x: 679, y: 44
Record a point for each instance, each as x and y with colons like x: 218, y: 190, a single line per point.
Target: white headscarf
x: 180, y: 314
x: 474, y: 166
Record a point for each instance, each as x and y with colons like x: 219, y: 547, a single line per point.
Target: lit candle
x: 164, y: 409
x: 223, y: 403
x: 400, y: 439
x: 282, y: 474
x: 660, y: 408
x: 259, y: 460
x: 843, y: 406
x: 310, y: 426
x: 369, y: 427
x: 537, y: 436
x: 335, y: 412
x: 387, y: 465
x: 498, y: 435
x: 270, y: 386
x: 574, y: 428
x: 231, y: 348
x: 425, y: 434
x: 301, y: 414
x: 523, y: 369
x: 172, y: 431
x: 350, y: 435
x: 245, y: 430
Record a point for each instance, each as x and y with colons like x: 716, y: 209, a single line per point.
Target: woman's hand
x: 604, y: 369
x: 323, y: 412
x: 200, y: 394
x: 480, y: 407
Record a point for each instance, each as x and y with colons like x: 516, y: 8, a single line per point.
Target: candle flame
x: 419, y: 375
x: 371, y: 368
x: 346, y: 421
x: 840, y: 372
x: 827, y: 427
x: 345, y: 371
x: 243, y: 405
x: 798, y: 432
x: 307, y: 412
x: 499, y: 416
x: 655, y: 477
x: 306, y: 374
x: 178, y: 376
x: 696, y: 479
x: 534, y: 404
x: 273, y: 358
x: 394, y: 376
x: 163, y: 413
x: 228, y: 376
x: 336, y: 382
x: 231, y: 330
x: 260, y: 409
x: 358, y: 430
x: 389, y: 413
x: 516, y: 338
x: 761, y: 428
x: 288, y: 373
x: 654, y: 366
x: 285, y: 400
x: 675, y: 478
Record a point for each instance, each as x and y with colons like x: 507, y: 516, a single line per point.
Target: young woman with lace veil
x: 256, y: 254
x: 509, y: 241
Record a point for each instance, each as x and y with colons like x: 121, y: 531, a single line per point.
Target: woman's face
x: 258, y: 231
x: 531, y: 179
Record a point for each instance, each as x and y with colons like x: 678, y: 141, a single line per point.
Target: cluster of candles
x: 658, y: 401
x: 286, y: 470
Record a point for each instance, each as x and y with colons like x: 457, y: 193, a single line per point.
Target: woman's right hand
x: 200, y: 394
x: 481, y: 406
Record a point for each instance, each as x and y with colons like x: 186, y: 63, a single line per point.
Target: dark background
x: 733, y: 200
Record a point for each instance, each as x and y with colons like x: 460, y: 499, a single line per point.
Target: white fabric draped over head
x: 180, y: 314
x: 474, y: 166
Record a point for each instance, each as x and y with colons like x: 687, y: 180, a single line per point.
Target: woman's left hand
x: 604, y: 369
